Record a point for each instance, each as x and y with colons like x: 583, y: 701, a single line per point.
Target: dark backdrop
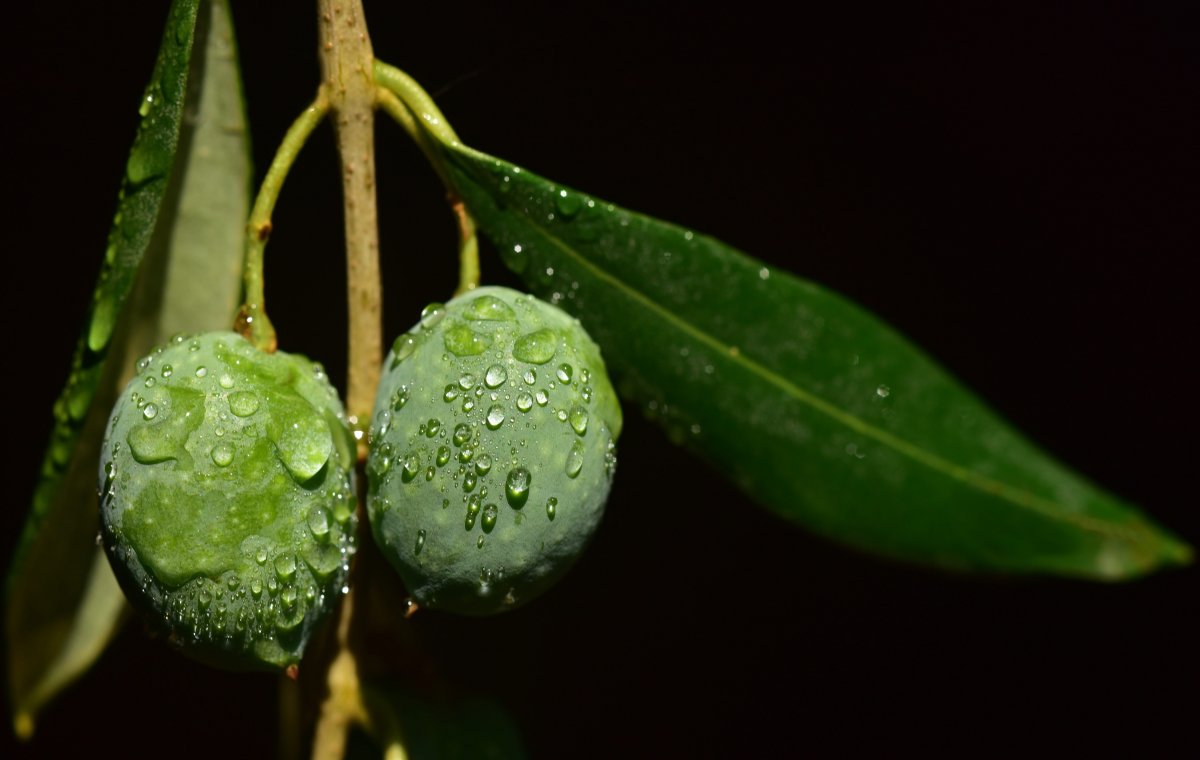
x: 1014, y: 185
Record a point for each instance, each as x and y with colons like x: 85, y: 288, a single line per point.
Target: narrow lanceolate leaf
x: 810, y: 404
x: 179, y: 222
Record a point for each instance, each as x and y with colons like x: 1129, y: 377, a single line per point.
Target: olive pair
x: 227, y: 475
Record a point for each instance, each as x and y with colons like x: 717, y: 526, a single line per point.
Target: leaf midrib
x: 1017, y: 496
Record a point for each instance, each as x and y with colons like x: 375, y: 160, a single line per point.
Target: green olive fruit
x: 227, y: 499
x: 492, y: 450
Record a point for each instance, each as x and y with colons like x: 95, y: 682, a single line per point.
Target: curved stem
x: 252, y: 320
x: 468, y: 248
x: 416, y: 100
x: 402, y: 113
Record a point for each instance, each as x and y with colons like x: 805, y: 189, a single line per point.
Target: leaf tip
x: 1177, y: 552
x: 23, y: 725
x: 1157, y: 550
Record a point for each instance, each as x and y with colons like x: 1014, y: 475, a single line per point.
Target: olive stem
x: 343, y: 704
x: 392, y: 81
x: 252, y: 320
x: 347, y: 80
x: 419, y: 102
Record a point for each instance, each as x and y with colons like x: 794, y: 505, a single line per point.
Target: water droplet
x: 883, y: 391
x: 402, y: 348
x: 285, y: 567
x: 256, y: 587
x: 288, y: 597
x: 432, y: 428
x: 443, y: 455
x: 473, y: 504
x: 462, y: 434
x: 530, y: 376
x: 412, y: 465
x: 537, y: 347
x: 201, y: 371
x: 450, y: 393
x: 551, y: 507
x: 764, y: 273
x: 495, y: 417
x: 204, y: 598
x: 489, y: 518
x: 516, y: 487
x: 586, y: 393
x: 579, y: 420
x: 568, y: 204
x: 225, y: 381
x: 483, y: 464
x: 167, y: 370
x: 495, y: 376
x: 430, y: 471
x: 222, y: 454
x: 149, y: 382
x: 524, y: 402
x: 104, y: 318
x: 489, y: 308
x: 466, y: 381
x: 400, y: 398
x: 479, y: 543
x: 564, y: 373
x: 432, y: 314
x: 465, y: 455
x: 542, y: 398
x: 318, y: 523
x: 150, y: 411
x: 261, y: 556
x: 243, y: 403
x: 584, y: 375
x: 420, y: 542
x: 561, y: 414
x: 469, y: 481
x: 461, y: 340
x: 575, y: 459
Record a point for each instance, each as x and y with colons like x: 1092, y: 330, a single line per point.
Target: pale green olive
x: 227, y: 500
x: 492, y: 450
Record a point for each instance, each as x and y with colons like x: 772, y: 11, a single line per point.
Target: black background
x: 1013, y: 185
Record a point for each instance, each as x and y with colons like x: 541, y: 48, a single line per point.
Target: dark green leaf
x: 810, y: 404
x: 179, y: 222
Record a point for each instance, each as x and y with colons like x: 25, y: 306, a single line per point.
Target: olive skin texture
x: 492, y: 450
x: 227, y: 499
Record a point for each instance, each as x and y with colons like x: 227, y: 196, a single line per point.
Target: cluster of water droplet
x: 227, y: 500
x: 491, y: 404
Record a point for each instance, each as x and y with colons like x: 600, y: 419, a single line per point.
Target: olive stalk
x: 252, y: 321
x: 348, y: 82
x: 406, y: 102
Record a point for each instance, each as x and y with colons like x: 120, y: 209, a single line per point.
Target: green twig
x: 252, y: 320
x: 404, y: 100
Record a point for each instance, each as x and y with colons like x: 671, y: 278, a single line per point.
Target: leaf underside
x: 807, y: 402
x: 179, y: 220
